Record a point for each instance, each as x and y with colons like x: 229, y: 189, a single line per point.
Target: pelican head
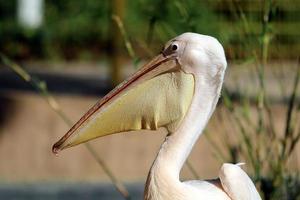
x: 197, y: 54
x: 158, y: 95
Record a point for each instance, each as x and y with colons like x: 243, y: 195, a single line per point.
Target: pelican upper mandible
x: 177, y: 91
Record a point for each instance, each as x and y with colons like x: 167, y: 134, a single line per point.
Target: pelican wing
x: 237, y: 184
x: 160, y: 99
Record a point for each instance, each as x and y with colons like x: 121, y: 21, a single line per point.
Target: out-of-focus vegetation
x: 251, y: 31
x: 266, y: 148
x: 81, y: 29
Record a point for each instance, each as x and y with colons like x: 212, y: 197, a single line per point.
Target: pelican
x: 176, y: 91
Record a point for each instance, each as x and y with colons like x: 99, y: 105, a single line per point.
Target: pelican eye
x: 171, y: 49
x: 174, y: 47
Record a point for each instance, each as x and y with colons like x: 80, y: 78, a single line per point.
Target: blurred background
x: 59, y: 57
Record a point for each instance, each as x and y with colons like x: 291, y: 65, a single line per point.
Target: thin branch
x: 127, y: 42
x: 192, y: 169
x: 292, y: 104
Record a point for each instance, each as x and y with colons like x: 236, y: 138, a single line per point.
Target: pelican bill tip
x: 56, y: 148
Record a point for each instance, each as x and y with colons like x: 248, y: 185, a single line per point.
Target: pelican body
x: 176, y: 91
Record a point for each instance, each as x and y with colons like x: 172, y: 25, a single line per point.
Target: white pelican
x: 177, y: 91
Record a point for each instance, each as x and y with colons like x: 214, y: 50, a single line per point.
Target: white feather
x: 204, y: 57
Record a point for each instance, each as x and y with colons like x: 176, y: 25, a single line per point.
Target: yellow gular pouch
x: 159, y: 102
